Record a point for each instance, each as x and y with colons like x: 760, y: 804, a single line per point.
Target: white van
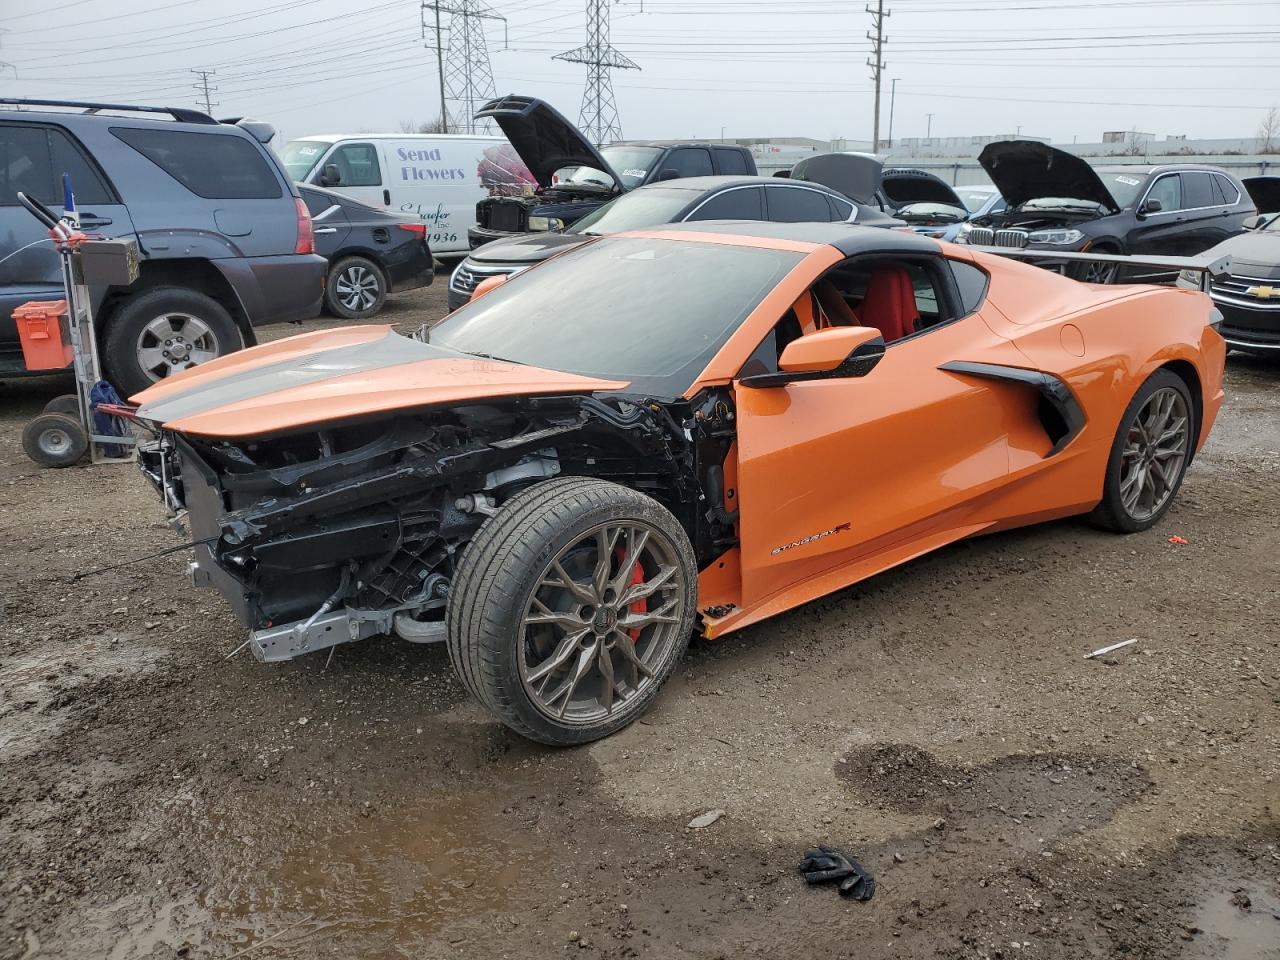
x: 438, y: 177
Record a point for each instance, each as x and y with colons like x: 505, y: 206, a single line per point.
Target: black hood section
x: 855, y: 175
x: 905, y: 186
x: 1264, y: 192
x: 533, y: 248
x: 543, y: 138
x: 1025, y: 170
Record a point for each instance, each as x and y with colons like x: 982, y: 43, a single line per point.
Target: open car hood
x: 1264, y: 192
x: 543, y: 138
x: 856, y: 175
x: 1025, y: 170
x: 903, y: 186
x: 333, y: 376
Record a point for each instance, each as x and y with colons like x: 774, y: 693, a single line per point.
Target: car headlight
x: 1059, y: 237
x: 963, y: 235
x: 545, y: 223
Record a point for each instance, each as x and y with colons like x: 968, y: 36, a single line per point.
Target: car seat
x: 890, y: 303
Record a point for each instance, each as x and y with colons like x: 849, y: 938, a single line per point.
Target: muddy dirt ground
x: 158, y: 799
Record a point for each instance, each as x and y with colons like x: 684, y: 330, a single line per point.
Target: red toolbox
x: 43, y: 330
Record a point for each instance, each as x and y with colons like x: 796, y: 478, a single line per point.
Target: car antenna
x: 149, y: 556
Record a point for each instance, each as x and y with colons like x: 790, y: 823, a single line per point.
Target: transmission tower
x: 876, y: 62
x: 466, y: 77
x: 599, y: 115
x: 202, y: 87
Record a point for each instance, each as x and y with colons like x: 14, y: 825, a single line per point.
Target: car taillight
x: 306, y: 238
x: 419, y: 228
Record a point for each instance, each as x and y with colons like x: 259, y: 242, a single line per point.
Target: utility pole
x: 876, y: 62
x: 928, y: 130
x: 466, y: 76
x: 599, y: 115
x: 202, y: 87
x: 893, y: 98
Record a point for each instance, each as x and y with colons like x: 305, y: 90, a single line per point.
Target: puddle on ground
x: 38, y: 690
x: 1239, y: 923
x: 385, y: 884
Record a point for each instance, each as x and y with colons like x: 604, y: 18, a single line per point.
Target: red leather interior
x: 890, y: 304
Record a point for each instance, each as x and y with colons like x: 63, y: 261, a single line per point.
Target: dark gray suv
x: 225, y: 242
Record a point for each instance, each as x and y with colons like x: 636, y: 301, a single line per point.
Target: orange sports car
x: 689, y: 428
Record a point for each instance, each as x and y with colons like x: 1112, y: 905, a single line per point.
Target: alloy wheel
x: 1100, y: 273
x: 601, y: 618
x: 1155, y: 452
x: 173, y: 342
x: 357, y: 288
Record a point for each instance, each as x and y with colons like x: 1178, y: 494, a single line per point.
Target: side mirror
x: 489, y: 284
x: 833, y: 353
x: 330, y: 176
x: 1152, y: 206
x: 669, y: 174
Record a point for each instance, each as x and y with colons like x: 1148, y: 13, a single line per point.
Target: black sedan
x: 371, y: 252
x: 692, y: 198
x: 1249, y: 297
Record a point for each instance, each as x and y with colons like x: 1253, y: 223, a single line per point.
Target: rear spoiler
x: 1214, y: 266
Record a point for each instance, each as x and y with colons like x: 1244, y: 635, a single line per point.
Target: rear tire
x: 355, y: 289
x: 1149, y: 455
x: 164, y: 331
x: 560, y: 647
x: 55, y: 440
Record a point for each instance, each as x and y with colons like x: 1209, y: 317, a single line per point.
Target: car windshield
x: 1272, y: 225
x: 1123, y: 186
x: 300, y: 157
x: 632, y: 164
x: 652, y: 312
x: 633, y: 211
x: 973, y: 200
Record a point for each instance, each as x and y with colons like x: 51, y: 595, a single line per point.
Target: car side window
x: 971, y: 284
x: 357, y: 165
x: 901, y: 297
x: 1168, y: 191
x: 318, y: 203
x: 1230, y: 192
x: 739, y: 204
x: 1197, y: 190
x: 841, y: 210
x: 33, y: 159
x: 216, y: 166
x: 688, y: 162
x: 797, y: 205
x: 731, y: 162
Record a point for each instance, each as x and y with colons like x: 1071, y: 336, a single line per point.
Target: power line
x: 598, y: 117
x: 202, y: 87
x: 465, y: 73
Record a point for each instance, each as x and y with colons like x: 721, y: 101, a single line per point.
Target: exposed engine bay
x: 326, y: 536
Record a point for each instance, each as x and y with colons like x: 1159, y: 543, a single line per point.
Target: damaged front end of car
x: 330, y: 535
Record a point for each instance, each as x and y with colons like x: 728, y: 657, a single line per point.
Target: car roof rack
x: 178, y: 113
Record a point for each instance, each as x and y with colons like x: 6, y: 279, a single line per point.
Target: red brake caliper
x: 636, y: 606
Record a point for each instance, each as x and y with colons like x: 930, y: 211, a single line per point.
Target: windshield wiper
x: 490, y: 356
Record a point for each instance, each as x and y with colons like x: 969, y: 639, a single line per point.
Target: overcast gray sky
x: 1205, y: 68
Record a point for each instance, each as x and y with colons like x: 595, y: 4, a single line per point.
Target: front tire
x: 356, y: 288
x: 1095, y: 272
x: 162, y: 332
x: 1148, y: 456
x: 571, y: 607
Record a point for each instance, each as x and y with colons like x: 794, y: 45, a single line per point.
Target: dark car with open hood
x: 1248, y: 297
x: 1058, y: 201
x: 574, y: 177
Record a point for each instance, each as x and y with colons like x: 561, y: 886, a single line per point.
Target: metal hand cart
x: 75, y: 423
